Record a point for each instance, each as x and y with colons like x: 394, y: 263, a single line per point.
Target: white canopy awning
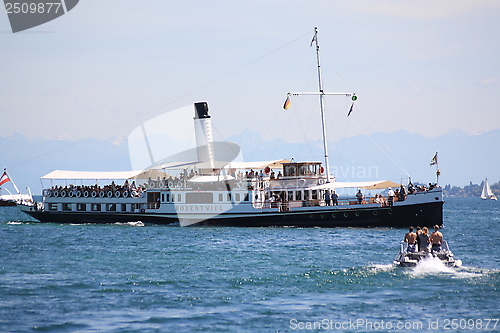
x: 256, y: 164
x: 66, y: 174
x: 210, y: 179
x: 370, y: 185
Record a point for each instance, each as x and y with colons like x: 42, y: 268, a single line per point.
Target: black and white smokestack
x: 201, y: 109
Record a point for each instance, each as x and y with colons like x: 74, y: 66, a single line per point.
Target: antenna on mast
x: 321, y: 94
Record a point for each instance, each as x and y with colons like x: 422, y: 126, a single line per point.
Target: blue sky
x: 106, y: 66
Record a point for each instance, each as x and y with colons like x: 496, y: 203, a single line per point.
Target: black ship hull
x: 399, y: 216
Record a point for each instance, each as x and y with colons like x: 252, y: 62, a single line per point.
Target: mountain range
x: 462, y: 157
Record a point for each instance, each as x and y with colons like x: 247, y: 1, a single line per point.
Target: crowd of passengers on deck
x: 125, y: 190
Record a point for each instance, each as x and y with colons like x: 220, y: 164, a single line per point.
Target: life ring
x: 171, y: 184
x: 179, y: 185
x: 110, y: 194
x: 93, y: 194
x: 101, y: 194
x: 56, y: 193
x: 63, y: 193
x: 78, y: 194
x: 142, y: 194
x: 321, y: 181
x: 125, y: 194
x: 161, y: 184
x: 86, y: 194
x: 133, y: 194
x: 267, y: 183
x: 117, y: 194
x: 46, y: 193
x: 239, y: 185
x: 152, y: 184
x: 302, y: 182
x: 71, y: 193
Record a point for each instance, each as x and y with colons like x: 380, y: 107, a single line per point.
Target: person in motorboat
x: 436, y: 240
x: 411, y: 239
x: 423, y: 240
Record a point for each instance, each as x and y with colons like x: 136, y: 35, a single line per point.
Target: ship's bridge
x: 294, y: 170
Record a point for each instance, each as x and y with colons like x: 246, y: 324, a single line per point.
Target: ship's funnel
x: 203, y: 132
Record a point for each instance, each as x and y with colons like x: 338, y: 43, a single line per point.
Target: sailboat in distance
x: 487, y: 193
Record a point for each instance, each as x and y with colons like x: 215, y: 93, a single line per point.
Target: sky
x: 105, y: 67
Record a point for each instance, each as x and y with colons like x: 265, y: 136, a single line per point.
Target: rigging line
x: 304, y: 131
x: 179, y: 97
x: 293, y: 116
x: 338, y: 76
x: 331, y: 127
x: 394, y: 160
x: 398, y: 163
x: 274, y: 117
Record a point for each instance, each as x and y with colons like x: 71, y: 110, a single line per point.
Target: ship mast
x: 321, y: 106
x: 322, y: 94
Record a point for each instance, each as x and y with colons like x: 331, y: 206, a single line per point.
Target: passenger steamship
x: 207, y: 185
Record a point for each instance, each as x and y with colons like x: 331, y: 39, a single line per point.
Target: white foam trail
x: 431, y: 265
x: 132, y: 224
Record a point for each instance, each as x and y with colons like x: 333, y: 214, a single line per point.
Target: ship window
x: 111, y: 207
x: 167, y: 197
x: 229, y: 196
x: 290, y: 196
x: 163, y: 197
x: 289, y: 170
x: 237, y: 197
x: 52, y: 206
x: 66, y: 206
x: 306, y: 195
x: 124, y: 207
x: 303, y: 170
x: 179, y: 198
x: 81, y: 207
x: 314, y: 194
x: 247, y: 197
x: 96, y: 207
x: 199, y: 198
x: 221, y: 197
x: 298, y: 195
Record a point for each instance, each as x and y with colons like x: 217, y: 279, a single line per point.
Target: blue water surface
x: 133, y: 278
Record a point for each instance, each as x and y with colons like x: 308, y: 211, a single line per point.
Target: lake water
x: 132, y: 278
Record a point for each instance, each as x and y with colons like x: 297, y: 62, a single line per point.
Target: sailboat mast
x: 321, y: 106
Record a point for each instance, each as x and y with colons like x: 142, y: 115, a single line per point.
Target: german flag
x: 288, y: 102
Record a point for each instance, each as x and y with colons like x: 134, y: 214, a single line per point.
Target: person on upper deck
x: 359, y: 197
x: 411, y: 238
x: 335, y: 198
x: 327, y: 198
x: 390, y: 196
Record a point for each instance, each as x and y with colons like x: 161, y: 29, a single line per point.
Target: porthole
x: 323, y: 216
x: 389, y: 211
x: 334, y: 215
x: 375, y: 212
x: 346, y: 214
x: 357, y: 214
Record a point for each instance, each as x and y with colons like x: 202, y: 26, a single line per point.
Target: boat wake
x: 131, y: 224
x: 430, y: 265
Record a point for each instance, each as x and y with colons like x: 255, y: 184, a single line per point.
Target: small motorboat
x: 411, y: 259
